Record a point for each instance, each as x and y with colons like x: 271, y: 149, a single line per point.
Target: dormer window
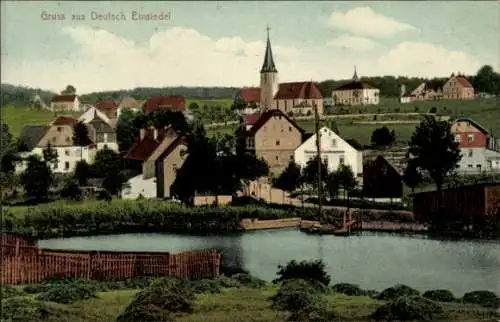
x: 470, y: 137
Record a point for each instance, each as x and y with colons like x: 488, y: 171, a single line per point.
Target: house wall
x: 137, y: 186
x: 67, y: 158
x: 348, y: 97
x: 76, y: 105
x: 171, y: 163
x: 268, y: 88
x: 290, y: 105
x: 58, y: 135
x: 334, y: 150
x: 276, y: 141
x: 473, y: 160
x: 453, y: 90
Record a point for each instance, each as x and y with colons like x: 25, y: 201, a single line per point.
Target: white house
x: 65, y: 103
x: 138, y: 186
x: 91, y: 113
x: 101, y: 129
x: 334, y: 151
x: 356, y: 92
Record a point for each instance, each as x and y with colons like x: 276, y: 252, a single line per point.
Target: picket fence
x: 24, y: 263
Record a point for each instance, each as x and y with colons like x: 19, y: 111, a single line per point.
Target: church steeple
x: 355, y: 77
x: 268, y: 65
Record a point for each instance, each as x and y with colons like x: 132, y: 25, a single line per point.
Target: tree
x: 310, y: 172
x: 434, y: 152
x: 332, y: 185
x: 82, y: 172
x: 128, y: 127
x: 289, y: 179
x: 7, y: 150
x: 106, y: 161
x: 412, y: 177
x: 37, y: 178
x: 113, y: 182
x: 487, y: 80
x: 69, y: 90
x: 80, y: 136
x: 383, y: 137
x: 50, y: 155
x: 346, y: 179
x: 334, y: 127
x: 194, y: 106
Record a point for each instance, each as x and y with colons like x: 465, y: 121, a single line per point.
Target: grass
x: 236, y: 305
x: 17, y: 117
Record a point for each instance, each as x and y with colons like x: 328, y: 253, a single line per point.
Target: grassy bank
x: 240, y: 298
x: 121, y: 216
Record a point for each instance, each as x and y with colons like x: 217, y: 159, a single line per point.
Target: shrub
x: 206, y: 286
x: 227, y: 282
x: 433, y: 110
x: 8, y: 291
x: 36, y: 288
x: 439, y: 295
x: 23, y: 309
x: 299, y: 297
x: 348, y: 289
x: 409, y: 308
x: 67, y: 293
x: 484, y: 298
x: 249, y: 280
x: 312, y: 271
x: 159, y: 301
x: 396, y: 291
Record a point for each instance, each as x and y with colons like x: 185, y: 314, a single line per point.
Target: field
x: 235, y: 305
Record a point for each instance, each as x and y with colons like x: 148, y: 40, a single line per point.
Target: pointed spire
x: 355, y: 76
x: 268, y: 65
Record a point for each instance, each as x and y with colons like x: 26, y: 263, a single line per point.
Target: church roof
x: 268, y: 65
x: 298, y: 90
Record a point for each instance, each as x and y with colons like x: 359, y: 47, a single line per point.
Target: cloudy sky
x: 222, y: 43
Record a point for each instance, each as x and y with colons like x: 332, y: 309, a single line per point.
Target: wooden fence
x: 25, y: 263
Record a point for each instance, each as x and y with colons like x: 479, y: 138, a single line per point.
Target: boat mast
x: 318, y: 156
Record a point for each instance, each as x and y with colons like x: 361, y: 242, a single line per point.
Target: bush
x: 311, y: 271
x: 227, y: 282
x: 36, y: 288
x: 409, y: 308
x: 249, y: 280
x: 299, y: 298
x: 396, y: 291
x: 67, y: 293
x: 206, y: 286
x: 23, y: 310
x: 439, y: 295
x: 159, y: 301
x: 348, y: 289
x: 484, y: 298
x: 8, y: 291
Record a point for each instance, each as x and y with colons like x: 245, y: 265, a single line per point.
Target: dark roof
x: 476, y: 125
x: 355, y: 144
x: 100, y: 126
x: 463, y: 81
x: 64, y: 120
x: 266, y: 116
x: 63, y: 98
x: 32, y: 134
x: 106, y: 105
x: 250, y: 94
x: 298, y: 90
x: 355, y: 85
x: 141, y: 150
x: 171, y: 103
x: 251, y: 119
x: 268, y: 64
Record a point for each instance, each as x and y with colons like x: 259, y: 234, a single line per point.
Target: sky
x: 222, y: 43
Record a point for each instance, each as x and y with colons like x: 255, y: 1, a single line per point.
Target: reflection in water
x: 372, y: 260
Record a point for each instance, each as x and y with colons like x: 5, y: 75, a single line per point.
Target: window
x: 289, y: 129
x: 334, y: 143
x: 470, y: 153
x: 66, y: 152
x: 66, y: 165
x: 277, y: 142
x: 250, y: 142
x: 53, y: 139
x: 105, y: 146
x: 469, y: 165
x: 470, y: 137
x: 59, y: 129
x: 341, y: 160
x: 68, y: 139
x: 174, y: 167
x: 457, y: 138
x: 277, y: 158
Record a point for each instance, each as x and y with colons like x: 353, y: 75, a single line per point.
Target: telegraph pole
x: 318, y: 155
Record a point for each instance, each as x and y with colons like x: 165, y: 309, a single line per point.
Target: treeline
x: 22, y: 96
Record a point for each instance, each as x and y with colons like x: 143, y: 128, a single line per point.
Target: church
x: 293, y: 99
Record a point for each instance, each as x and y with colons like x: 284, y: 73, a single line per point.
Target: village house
x: 274, y: 137
x: 108, y: 107
x: 356, y: 92
x: 458, y: 88
x: 480, y: 149
x: 383, y: 175
x: 161, y: 152
x: 470, y: 201
x: 173, y: 103
x: 294, y: 98
x: 58, y: 134
x: 66, y: 103
x: 335, y: 151
x: 129, y: 103
x: 101, y: 130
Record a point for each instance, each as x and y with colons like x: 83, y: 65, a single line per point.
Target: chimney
x: 142, y: 134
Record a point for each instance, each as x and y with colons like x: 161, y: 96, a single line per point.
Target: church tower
x: 268, y: 79
x: 355, y: 77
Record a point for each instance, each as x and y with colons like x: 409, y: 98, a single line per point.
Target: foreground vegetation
x: 301, y: 292
x: 120, y: 216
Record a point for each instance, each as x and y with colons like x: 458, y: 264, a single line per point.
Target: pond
x: 371, y: 260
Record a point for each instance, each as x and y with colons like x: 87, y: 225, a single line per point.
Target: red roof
x: 63, y: 98
x: 463, y: 81
x: 106, y: 105
x: 64, y: 120
x: 300, y: 90
x: 142, y: 149
x: 172, y: 103
x: 251, y: 119
x: 250, y: 94
x: 268, y: 115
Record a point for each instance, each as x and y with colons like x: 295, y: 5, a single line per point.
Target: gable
x: 329, y: 141
x: 268, y: 115
x: 467, y: 125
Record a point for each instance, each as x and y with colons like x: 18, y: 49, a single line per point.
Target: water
x: 372, y: 260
